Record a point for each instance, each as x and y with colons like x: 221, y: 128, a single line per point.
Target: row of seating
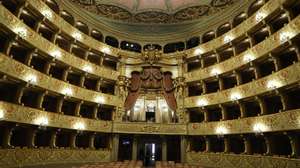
x: 124, y: 164
x: 172, y: 164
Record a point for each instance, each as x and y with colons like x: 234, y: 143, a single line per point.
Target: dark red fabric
x: 133, y: 91
x: 169, y: 91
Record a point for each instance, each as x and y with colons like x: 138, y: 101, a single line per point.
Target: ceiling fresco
x: 154, y: 11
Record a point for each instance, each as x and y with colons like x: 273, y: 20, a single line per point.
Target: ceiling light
x: 248, y: 58
x: 79, y: 126
x: 100, y: 99
x: 88, y: 68
x: 106, y: 50
x: 21, y: 31
x: 42, y: 121
x: 235, y: 96
x: 202, y: 102
x: 260, y: 16
x: 67, y: 91
x: 56, y: 54
x: 273, y: 84
x: 215, y: 71
x: 31, y: 78
x: 198, y: 51
x: 1, y: 114
x: 47, y: 13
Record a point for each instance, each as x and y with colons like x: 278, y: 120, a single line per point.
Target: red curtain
x: 169, y: 91
x: 133, y: 91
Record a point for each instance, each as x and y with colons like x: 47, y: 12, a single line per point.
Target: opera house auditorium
x: 149, y: 84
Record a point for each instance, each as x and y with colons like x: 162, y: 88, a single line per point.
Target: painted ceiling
x: 154, y: 11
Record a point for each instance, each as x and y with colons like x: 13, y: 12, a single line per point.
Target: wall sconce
x: 273, y: 84
x: 235, y: 96
x: 100, y: 99
x: 88, y: 68
x: 21, y: 31
x: 259, y: 128
x: 248, y: 58
x: 67, y: 91
x: 202, y: 102
x: 77, y: 36
x: 215, y: 72
x: 198, y: 51
x: 1, y: 114
x: 228, y: 39
x: 79, y: 126
x: 56, y: 54
x: 221, y: 131
x: 285, y: 36
x: 106, y: 50
x: 31, y: 78
x: 260, y: 16
x: 42, y: 122
x: 47, y: 13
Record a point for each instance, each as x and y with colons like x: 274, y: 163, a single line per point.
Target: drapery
x: 133, y: 91
x: 169, y: 91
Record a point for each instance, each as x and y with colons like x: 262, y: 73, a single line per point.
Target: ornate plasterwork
x: 157, y: 11
x: 20, y: 157
x: 237, y: 161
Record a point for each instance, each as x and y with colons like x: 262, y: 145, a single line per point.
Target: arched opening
x: 239, y: 19
x: 192, y: 42
x: 208, y: 36
x: 112, y: 41
x: 82, y: 27
x: 97, y: 35
x: 223, y: 29
x: 53, y: 5
x: 68, y: 17
x: 173, y: 47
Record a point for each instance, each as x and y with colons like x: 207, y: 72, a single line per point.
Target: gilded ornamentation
x: 151, y: 55
x: 238, y: 161
x: 166, y: 14
x: 30, y: 157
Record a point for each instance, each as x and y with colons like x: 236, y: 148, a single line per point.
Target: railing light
x: 235, y: 96
x: 215, y: 71
x: 202, y: 102
x: 21, y: 31
x: 31, y: 78
x: 88, y: 68
x: 198, y: 51
x: 79, y: 126
x: 100, y: 99
x: 47, y: 13
x: 260, y: 16
x: 67, y: 91
x: 273, y: 84
x: 248, y: 58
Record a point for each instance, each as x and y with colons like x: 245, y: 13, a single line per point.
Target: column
x: 7, y: 137
x: 247, y: 145
x: 268, y: 141
x: 40, y: 99
x: 73, y: 136
x: 31, y: 137
x: 7, y: 47
x: 95, y: 112
x: 204, y: 89
x: 65, y: 74
x: 77, y: 109
x: 224, y: 112
x: 206, y: 117
x: 115, y: 147
x: 257, y: 72
x: 134, y: 148
x: 98, y: 85
x: 284, y: 101
x: 294, y: 141
x: 221, y: 83
x: 164, y: 149
x: 262, y: 105
x: 183, y: 147
x: 81, y: 82
x: 226, y: 144
x: 53, y: 139
x: 47, y: 67
x: 92, y: 141
x: 19, y: 94
x: 242, y: 109
x: 59, y: 105
x: 207, y: 144
x: 238, y: 78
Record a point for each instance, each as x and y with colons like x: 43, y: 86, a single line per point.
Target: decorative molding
x: 10, y: 21
x: 238, y: 161
x: 20, y: 157
x: 288, y: 120
x: 26, y: 115
x: 150, y: 128
x: 287, y: 76
x: 19, y: 71
x: 258, y: 51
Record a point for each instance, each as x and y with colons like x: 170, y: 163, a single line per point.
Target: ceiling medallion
x: 163, y: 14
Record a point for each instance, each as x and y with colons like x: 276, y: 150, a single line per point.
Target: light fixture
x: 235, y: 96
x: 248, y: 58
x: 106, y: 50
x: 285, y: 36
x: 198, y: 51
x: 31, y: 78
x: 273, y: 84
x: 56, y: 54
x: 47, y: 13
x: 228, y: 39
x: 100, y: 99
x: 221, y: 131
x: 202, y: 102
x: 67, y: 91
x: 42, y: 121
x: 260, y: 16
x: 77, y: 35
x: 21, y: 31
x: 88, y: 68
x: 215, y: 71
x: 259, y: 128
x: 131, y: 45
x: 1, y: 114
x: 79, y: 126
